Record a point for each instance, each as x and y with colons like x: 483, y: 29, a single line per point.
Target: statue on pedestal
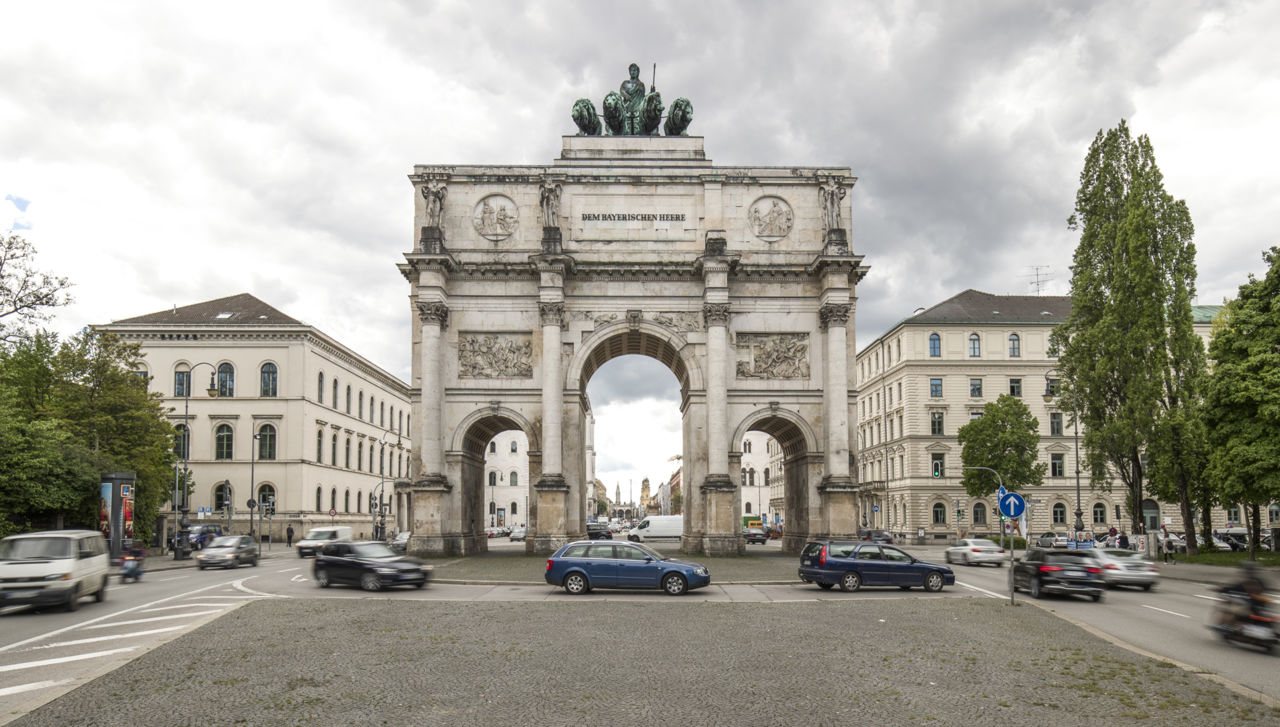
x: 434, y: 194
x: 630, y: 111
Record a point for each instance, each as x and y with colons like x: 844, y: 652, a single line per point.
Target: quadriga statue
x: 630, y: 111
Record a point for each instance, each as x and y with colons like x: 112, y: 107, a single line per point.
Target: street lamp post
x: 253, y: 482
x: 183, y: 551
x: 1049, y: 394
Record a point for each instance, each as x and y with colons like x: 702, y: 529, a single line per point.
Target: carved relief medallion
x: 773, y: 356
x: 495, y: 217
x: 771, y: 218
x: 495, y: 355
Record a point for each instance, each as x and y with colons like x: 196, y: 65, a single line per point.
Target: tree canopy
x: 1005, y: 438
x: 26, y: 294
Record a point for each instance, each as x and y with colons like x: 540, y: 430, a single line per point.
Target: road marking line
x: 131, y: 609
x: 148, y: 620
x: 33, y: 686
x: 185, y: 605
x: 1161, y: 610
x: 241, y: 586
x: 299, y: 579
x: 289, y: 570
x: 990, y: 594
x: 175, y: 578
x: 1208, y: 598
x: 237, y: 597
x: 106, y: 638
x: 64, y: 659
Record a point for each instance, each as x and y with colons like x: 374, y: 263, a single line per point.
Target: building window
x: 267, y: 496
x: 939, y: 461
x: 1051, y: 387
x: 935, y: 388
x: 975, y: 345
x: 348, y: 398
x: 226, y: 380
x: 1099, y: 514
x: 493, y: 447
x: 1057, y: 465
x: 360, y: 406
x: 382, y: 460
x: 975, y: 388
x: 182, y: 383
x: 222, y: 442
x: 333, y: 451
x: 766, y: 476
x: 975, y: 415
x: 935, y: 345
x: 335, y: 393
x: 746, y: 447
x: 751, y: 477
x: 319, y: 500
x: 1233, y: 514
x: 221, y: 497
x: 267, y: 442
x: 1015, y: 388
x: 1015, y: 346
x: 1055, y: 424
x: 1273, y: 513
x: 513, y: 508
x: 360, y: 456
x: 514, y: 480
x: 359, y: 504
x: 382, y: 414
x: 320, y: 388
x: 514, y: 448
x: 936, y: 423
x: 980, y: 513
x: 269, y: 375
x: 493, y: 479
x: 319, y: 448
x: 747, y: 505
x: 346, y: 501
x: 939, y: 514
x: 346, y: 459
x: 182, y: 442
x: 1059, y: 514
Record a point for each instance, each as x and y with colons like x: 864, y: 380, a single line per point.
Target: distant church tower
x: 644, y: 494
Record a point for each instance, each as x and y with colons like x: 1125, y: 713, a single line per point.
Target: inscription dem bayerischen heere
x: 632, y: 217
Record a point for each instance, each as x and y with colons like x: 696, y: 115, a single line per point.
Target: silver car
x: 1125, y: 568
x: 228, y: 551
x: 1053, y: 540
x: 975, y: 551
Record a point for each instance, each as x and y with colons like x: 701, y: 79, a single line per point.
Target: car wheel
x: 575, y: 584
x: 826, y: 586
x: 322, y: 577
x: 1096, y: 597
x: 948, y: 558
x: 933, y: 581
x: 200, y: 567
x: 850, y: 582
x: 370, y: 582
x: 966, y: 559
x: 674, y: 584
x: 73, y: 602
x: 1034, y: 588
x: 999, y: 563
x: 420, y: 585
x: 300, y: 555
x: 101, y: 595
x: 235, y: 562
x: 254, y: 562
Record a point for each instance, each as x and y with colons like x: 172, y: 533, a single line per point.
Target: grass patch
x: 1264, y: 557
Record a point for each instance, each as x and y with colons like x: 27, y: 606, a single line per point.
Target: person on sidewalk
x: 1165, y: 546
x: 289, y: 535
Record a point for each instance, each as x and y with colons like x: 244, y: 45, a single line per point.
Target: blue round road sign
x: 1012, y: 505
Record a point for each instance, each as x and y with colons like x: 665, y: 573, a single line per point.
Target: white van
x: 53, y: 567
x: 317, y: 537
x: 658, y: 527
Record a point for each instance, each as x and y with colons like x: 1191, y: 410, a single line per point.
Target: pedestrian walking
x: 1165, y: 546
x: 1124, y: 541
x: 289, y: 534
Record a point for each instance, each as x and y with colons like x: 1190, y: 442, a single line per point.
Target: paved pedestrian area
x: 912, y: 660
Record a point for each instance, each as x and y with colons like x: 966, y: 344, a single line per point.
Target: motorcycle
x: 131, y: 568
x: 1257, y: 627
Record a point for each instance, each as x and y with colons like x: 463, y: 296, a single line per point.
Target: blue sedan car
x: 579, y: 567
x: 852, y: 565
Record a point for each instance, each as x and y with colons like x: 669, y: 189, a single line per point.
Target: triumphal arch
x: 524, y: 280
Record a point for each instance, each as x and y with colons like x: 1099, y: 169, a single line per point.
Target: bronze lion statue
x: 679, y: 117
x: 584, y: 115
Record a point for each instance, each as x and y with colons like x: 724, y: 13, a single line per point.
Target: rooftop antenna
x: 1038, y: 278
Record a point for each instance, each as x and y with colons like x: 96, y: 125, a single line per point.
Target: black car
x: 599, y: 531
x: 755, y: 535
x: 852, y: 565
x: 370, y: 565
x: 1070, y: 572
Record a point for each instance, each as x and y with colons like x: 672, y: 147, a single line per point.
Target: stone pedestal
x: 552, y: 241
x: 723, y: 534
x: 837, y: 243
x: 840, y: 508
x: 431, y: 241
x: 551, y: 528
x: 428, y: 500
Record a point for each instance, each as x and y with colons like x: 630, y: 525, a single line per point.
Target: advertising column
x: 115, y: 518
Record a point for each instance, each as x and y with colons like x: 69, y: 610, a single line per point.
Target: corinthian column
x: 552, y: 314
x: 434, y: 319
x: 835, y: 401
x: 717, y: 319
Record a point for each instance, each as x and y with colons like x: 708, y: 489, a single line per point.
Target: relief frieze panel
x: 495, y: 355
x: 773, y: 355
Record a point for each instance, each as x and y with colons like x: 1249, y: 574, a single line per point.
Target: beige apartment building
x: 295, y: 420
x: 932, y: 373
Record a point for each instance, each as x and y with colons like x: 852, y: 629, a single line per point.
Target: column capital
x: 435, y: 482
x: 717, y: 483
x: 434, y: 312
x: 552, y: 483
x: 716, y: 314
x: 834, y: 314
x: 552, y: 314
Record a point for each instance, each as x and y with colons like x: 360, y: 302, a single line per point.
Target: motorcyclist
x: 1245, y: 596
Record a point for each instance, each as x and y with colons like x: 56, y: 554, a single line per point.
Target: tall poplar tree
x: 1243, y: 401
x: 1131, y: 363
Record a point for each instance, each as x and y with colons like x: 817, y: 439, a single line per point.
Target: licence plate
x: 1073, y: 574
x: 1257, y: 632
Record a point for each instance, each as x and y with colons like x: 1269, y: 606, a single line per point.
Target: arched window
x: 382, y: 414
x: 744, y: 476
x: 346, y: 460
x: 333, y: 499
x: 358, y: 503
x: 360, y: 405
x: 360, y: 456
x: 939, y: 514
x: 515, y: 479
x: 346, y: 501
x: 348, y: 398
x: 493, y: 507
x: 493, y: 479
x: 513, y: 508
x: 382, y: 460
x: 1099, y: 513
x: 223, y: 441
x: 751, y: 477
x: 182, y: 442
x: 182, y: 381
x: 980, y: 513
x: 975, y: 345
x: 935, y: 345
x: 267, y: 442
x: 226, y: 380
x: 401, y: 427
x: 746, y: 446
x: 319, y: 496
x: 493, y: 447
x: 267, y: 498
x: 320, y: 388
x: 221, y: 497
x: 1015, y: 346
x: 319, y: 448
x: 335, y: 392
x: 766, y: 476
x: 333, y: 451
x: 269, y: 375
x: 748, y: 508
x: 371, y: 409
x: 1059, y: 514
x: 514, y: 448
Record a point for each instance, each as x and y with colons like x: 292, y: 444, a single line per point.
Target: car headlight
x: 57, y: 577
x: 700, y: 571
x: 385, y: 571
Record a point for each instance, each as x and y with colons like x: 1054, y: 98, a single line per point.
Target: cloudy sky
x: 168, y: 153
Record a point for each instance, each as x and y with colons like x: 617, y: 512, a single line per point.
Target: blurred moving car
x: 852, y: 565
x: 400, y: 544
x: 201, y: 535
x: 976, y: 551
x: 318, y: 537
x: 755, y: 535
x: 1125, y: 568
x: 1071, y: 572
x: 370, y: 565
x: 876, y: 536
x: 54, y: 567
x: 1052, y: 540
x: 228, y: 551
x: 518, y: 533
x: 599, y: 531
x: 586, y: 564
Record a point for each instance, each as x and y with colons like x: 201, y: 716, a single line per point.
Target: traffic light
x: 373, y: 503
x: 937, y: 468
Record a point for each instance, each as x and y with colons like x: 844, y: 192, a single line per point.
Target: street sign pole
x: 1011, y: 506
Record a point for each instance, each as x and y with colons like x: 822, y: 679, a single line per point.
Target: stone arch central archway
x: 801, y: 468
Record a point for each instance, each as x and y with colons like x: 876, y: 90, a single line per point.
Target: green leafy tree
x: 1005, y: 438
x: 26, y: 294
x: 1131, y: 364
x: 1243, y: 400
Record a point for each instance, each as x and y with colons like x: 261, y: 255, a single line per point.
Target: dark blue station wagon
x: 578, y: 567
x: 852, y: 565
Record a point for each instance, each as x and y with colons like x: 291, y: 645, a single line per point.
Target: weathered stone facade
x: 524, y: 280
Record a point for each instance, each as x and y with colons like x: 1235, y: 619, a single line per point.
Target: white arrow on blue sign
x: 1012, y: 505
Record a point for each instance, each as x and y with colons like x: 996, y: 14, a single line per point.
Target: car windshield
x: 1117, y: 553
x: 373, y: 550
x: 983, y: 543
x: 226, y: 541
x: 317, y: 534
x: 35, y: 549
